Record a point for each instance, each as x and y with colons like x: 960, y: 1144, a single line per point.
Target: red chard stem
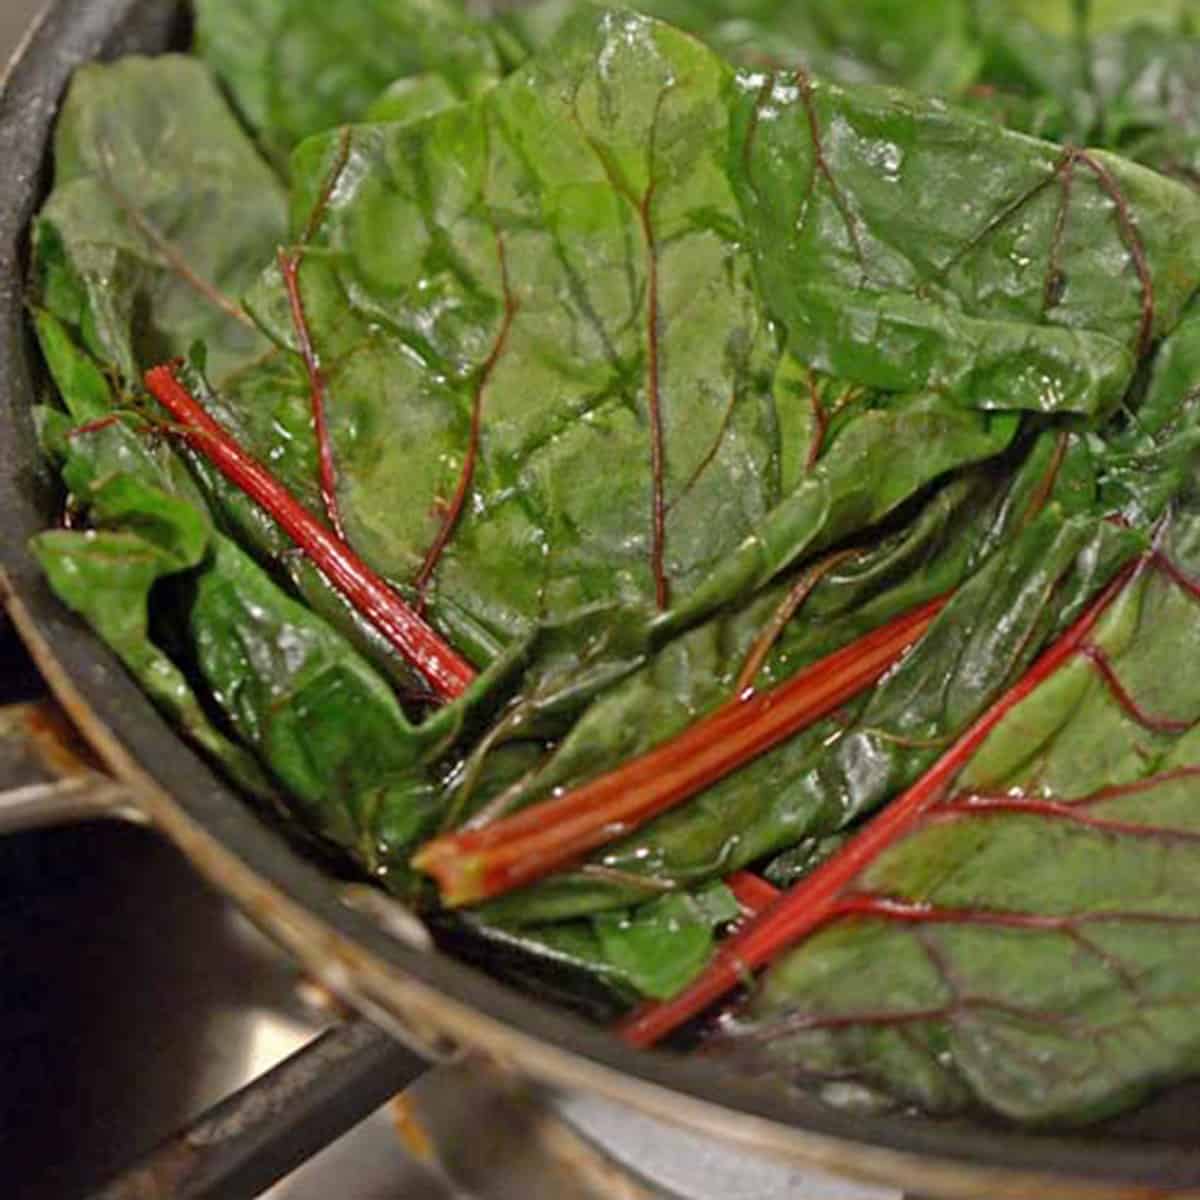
x: 476, y: 864
x: 752, y: 892
x: 289, y: 267
x: 447, y: 673
x: 818, y: 898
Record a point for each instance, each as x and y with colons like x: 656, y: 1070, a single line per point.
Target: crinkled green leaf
x: 1147, y: 85
x: 559, y: 252
x: 412, y: 98
x: 145, y: 244
x: 498, y: 252
x: 106, y: 575
x: 161, y: 215
x: 297, y: 67
x: 281, y: 677
x: 1153, y: 457
x: 287, y: 681
x: 906, y: 245
x: 927, y: 47
x: 653, y: 949
x: 837, y: 771
x: 1049, y: 972
x: 827, y: 777
x: 662, y: 945
x: 1121, y: 76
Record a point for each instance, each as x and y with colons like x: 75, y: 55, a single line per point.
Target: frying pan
x: 369, y: 952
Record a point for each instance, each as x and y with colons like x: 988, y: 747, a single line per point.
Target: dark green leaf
x: 653, y: 949
x: 908, y: 246
x: 843, y: 768
x: 662, y: 945
x: 161, y: 215
x: 297, y: 67
x: 1049, y: 972
x: 282, y: 678
x: 560, y: 254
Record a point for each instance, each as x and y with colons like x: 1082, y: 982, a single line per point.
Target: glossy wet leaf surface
x: 297, y: 67
x: 626, y: 350
x: 1033, y: 929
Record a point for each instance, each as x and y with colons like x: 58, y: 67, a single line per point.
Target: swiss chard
x: 1118, y: 76
x: 162, y: 215
x: 643, y: 382
x: 277, y: 675
x: 817, y: 783
x: 298, y: 67
x: 447, y: 673
x: 473, y: 865
x: 1034, y: 908
x: 555, y: 252
x: 997, y: 294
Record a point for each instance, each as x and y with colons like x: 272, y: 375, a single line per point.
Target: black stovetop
x: 126, y: 986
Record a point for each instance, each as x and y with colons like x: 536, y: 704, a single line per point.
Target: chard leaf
x: 281, y: 678
x: 149, y: 530
x: 652, y: 949
x: 161, y: 216
x: 138, y: 252
x: 1029, y: 946
x: 1036, y: 281
x: 927, y: 47
x: 106, y: 577
x: 412, y: 98
x: 1153, y: 457
x: 297, y: 67
x: 551, y: 255
x: 561, y: 963
x: 822, y: 780
x: 527, y: 284
x: 662, y: 945
x: 1120, y: 76
x: 1147, y: 83
x: 286, y: 682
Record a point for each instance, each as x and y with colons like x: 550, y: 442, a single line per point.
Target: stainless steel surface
x: 485, y: 1136
x: 685, y: 1165
x: 46, y: 776
x: 133, y: 998
x: 465, y: 1132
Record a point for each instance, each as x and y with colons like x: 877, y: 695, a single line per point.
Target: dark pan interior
x: 1155, y: 1147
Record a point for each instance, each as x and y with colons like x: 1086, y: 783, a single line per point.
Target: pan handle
x: 273, y: 1125
x: 47, y: 775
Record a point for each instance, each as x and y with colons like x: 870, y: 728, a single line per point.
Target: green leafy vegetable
x: 652, y: 372
x: 161, y: 216
x: 1034, y: 925
x: 280, y: 677
x: 662, y: 945
x: 297, y: 67
x: 521, y: 324
x: 841, y: 769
